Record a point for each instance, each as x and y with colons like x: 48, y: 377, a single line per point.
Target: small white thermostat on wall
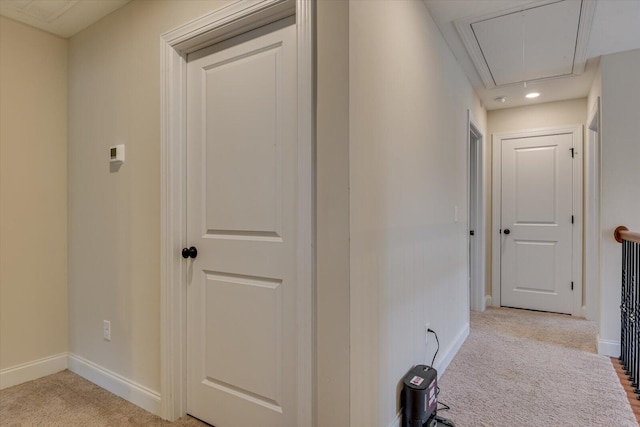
x: 116, y: 154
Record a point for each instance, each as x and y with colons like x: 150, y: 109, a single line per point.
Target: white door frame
x: 239, y: 17
x: 592, y: 214
x: 496, y: 240
x: 477, y: 243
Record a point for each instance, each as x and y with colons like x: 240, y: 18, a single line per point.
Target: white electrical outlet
x: 106, y: 330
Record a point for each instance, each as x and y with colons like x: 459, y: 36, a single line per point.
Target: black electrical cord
x: 437, y: 348
x: 445, y: 407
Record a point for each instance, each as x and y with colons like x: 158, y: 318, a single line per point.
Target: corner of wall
x: 33, y: 370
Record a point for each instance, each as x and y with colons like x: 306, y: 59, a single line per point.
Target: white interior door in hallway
x: 537, y: 222
x: 242, y: 218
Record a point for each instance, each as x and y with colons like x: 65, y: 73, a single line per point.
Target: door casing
x: 237, y: 18
x: 577, y: 252
x: 592, y: 242
x: 477, y: 186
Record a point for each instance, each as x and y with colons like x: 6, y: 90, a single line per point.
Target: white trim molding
x: 477, y: 243
x: 592, y: 232
x: 608, y: 348
x: 487, y: 299
x: 442, y: 363
x: 30, y: 371
x: 237, y: 18
x: 306, y: 273
x: 578, y: 209
x: 117, y: 384
x: 397, y: 420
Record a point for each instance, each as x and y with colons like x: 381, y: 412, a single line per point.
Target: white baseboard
x: 397, y: 420
x: 116, y: 384
x: 608, y: 348
x: 32, y: 370
x: 487, y: 301
x: 447, y: 356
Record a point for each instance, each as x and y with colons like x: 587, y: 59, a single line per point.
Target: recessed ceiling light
x: 500, y: 99
x: 532, y: 95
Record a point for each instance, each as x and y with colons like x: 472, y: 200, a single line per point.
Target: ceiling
x: 552, y: 45
x: 61, y: 17
x: 509, y: 48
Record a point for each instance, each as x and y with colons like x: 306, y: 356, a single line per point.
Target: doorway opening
x: 476, y: 217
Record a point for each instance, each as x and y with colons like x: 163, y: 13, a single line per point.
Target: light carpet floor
x: 516, y: 369
x: 528, y: 369
x: 66, y: 399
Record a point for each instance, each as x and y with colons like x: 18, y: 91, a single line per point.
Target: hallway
x: 532, y: 369
x: 517, y: 368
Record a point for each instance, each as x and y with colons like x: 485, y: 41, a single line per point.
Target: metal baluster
x: 630, y: 315
x: 623, y: 314
x: 634, y: 264
x: 624, y: 318
x: 633, y: 309
x: 630, y: 306
x: 636, y: 305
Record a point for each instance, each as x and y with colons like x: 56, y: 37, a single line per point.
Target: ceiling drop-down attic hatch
x: 535, y: 41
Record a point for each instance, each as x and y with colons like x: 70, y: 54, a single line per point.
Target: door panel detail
x: 242, y: 214
x: 535, y: 172
x: 254, y: 307
x: 537, y: 204
x: 242, y: 150
x: 536, y: 269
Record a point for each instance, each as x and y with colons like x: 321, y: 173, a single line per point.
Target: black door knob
x: 191, y: 252
x: 507, y: 231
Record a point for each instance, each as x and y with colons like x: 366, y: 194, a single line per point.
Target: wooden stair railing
x: 630, y: 306
x: 622, y: 233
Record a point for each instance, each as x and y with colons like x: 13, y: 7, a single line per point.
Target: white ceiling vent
x: 540, y: 40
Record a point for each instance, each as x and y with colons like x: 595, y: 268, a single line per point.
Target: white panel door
x: 241, y: 216
x: 537, y: 230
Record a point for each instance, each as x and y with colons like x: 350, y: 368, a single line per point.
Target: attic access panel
x: 536, y: 41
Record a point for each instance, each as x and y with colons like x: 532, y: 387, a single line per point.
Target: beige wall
x: 560, y: 113
x: 33, y: 194
x: 333, y: 214
x: 551, y: 114
x: 620, y: 202
x: 595, y: 91
x: 408, y: 171
x: 114, y: 217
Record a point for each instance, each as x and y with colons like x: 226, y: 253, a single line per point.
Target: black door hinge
x: 472, y: 233
x: 571, y: 219
x: 571, y: 285
x: 573, y: 152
